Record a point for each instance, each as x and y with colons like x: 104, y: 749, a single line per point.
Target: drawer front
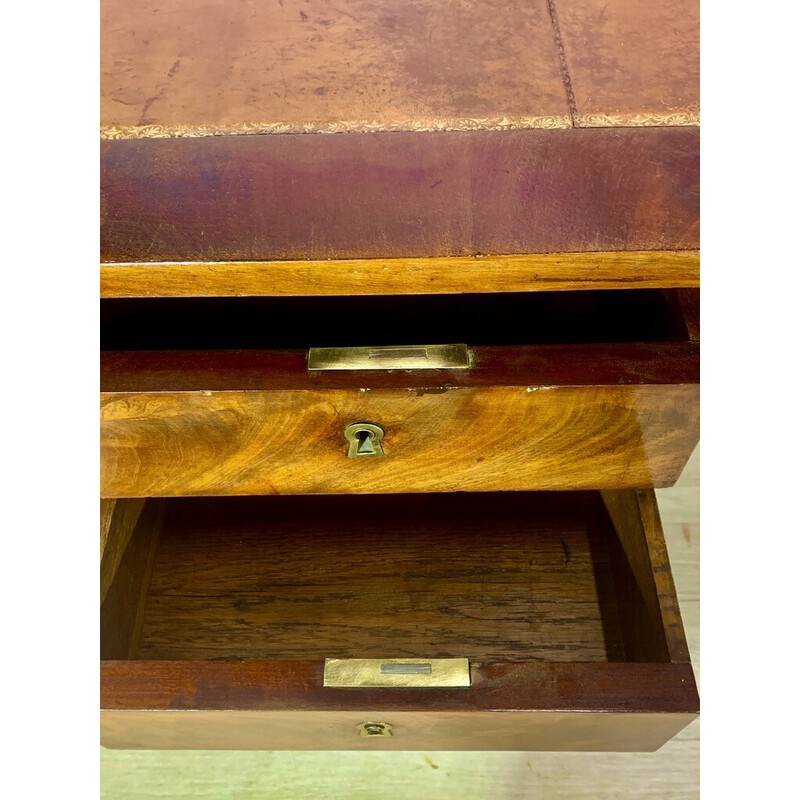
x: 459, y: 438
x: 615, y: 707
x: 325, y: 730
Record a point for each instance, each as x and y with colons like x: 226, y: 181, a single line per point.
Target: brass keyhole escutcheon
x: 365, y: 439
x: 375, y: 729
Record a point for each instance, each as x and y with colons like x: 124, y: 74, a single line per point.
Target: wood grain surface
x: 649, y: 615
x: 122, y: 605
x: 480, y: 439
x: 118, y: 519
x: 159, y: 372
x: 245, y: 686
x: 309, y: 730
x: 495, y: 576
x: 399, y: 195
x: 394, y: 276
x: 458, y: 439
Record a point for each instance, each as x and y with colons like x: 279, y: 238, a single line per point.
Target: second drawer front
x: 453, y: 439
x: 421, y: 730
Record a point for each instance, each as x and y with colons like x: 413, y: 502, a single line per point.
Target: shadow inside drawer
x: 478, y: 319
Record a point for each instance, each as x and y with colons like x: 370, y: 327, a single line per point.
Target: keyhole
x: 374, y: 730
x: 365, y: 439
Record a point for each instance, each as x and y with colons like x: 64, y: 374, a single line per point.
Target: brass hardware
x: 389, y: 668
x: 375, y: 729
x: 424, y: 356
x: 388, y: 673
x: 365, y: 439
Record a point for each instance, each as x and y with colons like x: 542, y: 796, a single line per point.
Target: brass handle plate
x: 389, y: 673
x: 424, y: 356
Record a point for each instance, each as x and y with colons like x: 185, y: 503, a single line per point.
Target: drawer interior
x: 532, y: 318
x: 498, y: 577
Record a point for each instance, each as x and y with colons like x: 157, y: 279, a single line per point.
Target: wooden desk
x: 521, y: 178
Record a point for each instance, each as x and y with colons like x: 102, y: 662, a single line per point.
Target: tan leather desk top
x: 179, y: 67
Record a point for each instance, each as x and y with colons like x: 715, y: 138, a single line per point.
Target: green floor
x: 670, y: 773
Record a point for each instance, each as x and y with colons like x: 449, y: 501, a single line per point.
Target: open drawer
x: 503, y: 621
x: 549, y: 390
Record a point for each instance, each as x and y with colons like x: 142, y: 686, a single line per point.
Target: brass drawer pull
x: 414, y: 673
x: 365, y: 439
x: 423, y: 356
